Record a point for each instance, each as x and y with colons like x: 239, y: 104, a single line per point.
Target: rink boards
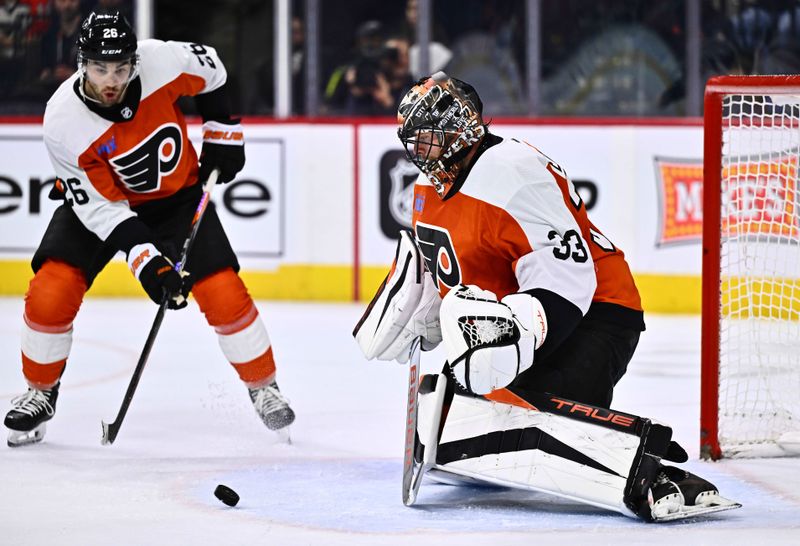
x: 314, y: 213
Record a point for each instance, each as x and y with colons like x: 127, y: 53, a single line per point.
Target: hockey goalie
x: 538, y: 314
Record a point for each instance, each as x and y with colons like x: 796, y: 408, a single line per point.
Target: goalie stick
x: 110, y: 430
x: 412, y: 470
x: 426, y: 399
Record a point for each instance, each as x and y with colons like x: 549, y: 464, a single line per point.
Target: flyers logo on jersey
x: 157, y: 155
x: 440, y: 255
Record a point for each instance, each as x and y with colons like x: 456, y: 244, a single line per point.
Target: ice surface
x: 191, y: 426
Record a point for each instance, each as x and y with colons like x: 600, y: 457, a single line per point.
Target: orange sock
x: 230, y: 310
x: 53, y: 299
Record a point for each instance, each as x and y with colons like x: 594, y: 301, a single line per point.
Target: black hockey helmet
x: 443, y: 114
x: 106, y: 37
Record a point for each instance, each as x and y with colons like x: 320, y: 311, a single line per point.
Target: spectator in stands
x: 378, y: 80
x: 59, y: 44
x: 397, y: 67
x: 40, y: 11
x: 483, y: 54
x: 369, y: 43
x: 14, y: 23
x: 373, y: 83
x: 439, y: 54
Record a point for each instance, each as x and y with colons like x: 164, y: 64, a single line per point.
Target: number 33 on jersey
x: 517, y: 224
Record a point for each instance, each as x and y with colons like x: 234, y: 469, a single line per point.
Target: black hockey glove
x: 223, y: 149
x: 158, y: 276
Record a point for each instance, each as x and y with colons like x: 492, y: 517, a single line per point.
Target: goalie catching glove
x: 490, y: 342
x: 405, y: 307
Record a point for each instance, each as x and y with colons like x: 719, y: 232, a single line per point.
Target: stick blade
x: 109, y: 433
x: 412, y: 481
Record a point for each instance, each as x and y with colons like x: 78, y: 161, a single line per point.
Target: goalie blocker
x: 405, y: 307
x: 546, y: 443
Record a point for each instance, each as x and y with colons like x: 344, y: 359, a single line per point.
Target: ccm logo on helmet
x: 142, y: 168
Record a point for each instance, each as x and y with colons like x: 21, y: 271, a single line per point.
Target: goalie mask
x: 440, y: 123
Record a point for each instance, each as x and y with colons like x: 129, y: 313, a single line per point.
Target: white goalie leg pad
x: 405, y: 307
x: 524, y: 448
x: 489, y: 342
x: 429, y: 413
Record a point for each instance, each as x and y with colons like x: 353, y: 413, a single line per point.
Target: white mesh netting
x: 479, y: 331
x: 759, y: 360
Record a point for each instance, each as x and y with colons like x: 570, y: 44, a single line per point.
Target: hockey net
x: 750, y: 395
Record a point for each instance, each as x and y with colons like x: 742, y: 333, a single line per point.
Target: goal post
x: 750, y: 370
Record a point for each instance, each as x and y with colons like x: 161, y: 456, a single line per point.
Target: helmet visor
x: 424, y: 145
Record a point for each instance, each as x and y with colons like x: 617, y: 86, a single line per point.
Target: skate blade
x: 17, y: 438
x: 284, y: 435
x: 720, y: 504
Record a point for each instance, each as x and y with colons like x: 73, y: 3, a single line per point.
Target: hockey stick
x: 412, y: 470
x: 110, y: 430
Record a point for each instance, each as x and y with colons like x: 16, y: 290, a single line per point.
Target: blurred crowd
x: 605, y: 57
x: 38, y: 47
x: 477, y: 44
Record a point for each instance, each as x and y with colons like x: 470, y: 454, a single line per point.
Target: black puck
x: 226, y: 495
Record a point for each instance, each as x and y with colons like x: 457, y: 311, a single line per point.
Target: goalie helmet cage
x: 750, y: 384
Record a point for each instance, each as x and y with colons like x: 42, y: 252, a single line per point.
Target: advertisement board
x: 315, y: 212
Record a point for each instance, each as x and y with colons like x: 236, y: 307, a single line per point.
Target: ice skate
x: 678, y: 494
x: 272, y: 407
x: 26, y: 420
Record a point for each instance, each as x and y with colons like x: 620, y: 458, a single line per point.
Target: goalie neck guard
x: 440, y: 124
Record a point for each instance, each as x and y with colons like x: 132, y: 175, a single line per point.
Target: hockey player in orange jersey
x: 539, y: 316
x: 130, y: 181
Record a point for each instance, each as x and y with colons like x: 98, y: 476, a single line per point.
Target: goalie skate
x: 678, y: 494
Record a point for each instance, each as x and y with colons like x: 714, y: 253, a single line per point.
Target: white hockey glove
x: 490, y: 342
x: 405, y: 307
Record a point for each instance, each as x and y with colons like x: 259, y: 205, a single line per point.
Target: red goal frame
x: 716, y: 89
